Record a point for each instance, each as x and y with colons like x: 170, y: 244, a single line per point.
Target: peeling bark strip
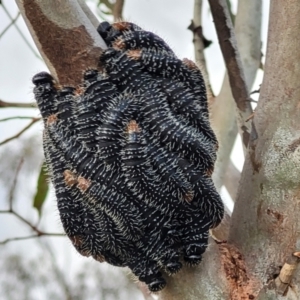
x: 65, y: 37
x: 240, y: 285
x: 233, y: 63
x: 286, y: 274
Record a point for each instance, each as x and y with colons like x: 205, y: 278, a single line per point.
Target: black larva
x: 131, y: 152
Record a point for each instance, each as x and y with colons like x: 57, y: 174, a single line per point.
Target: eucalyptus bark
x: 265, y: 222
x: 65, y: 37
x: 248, y: 36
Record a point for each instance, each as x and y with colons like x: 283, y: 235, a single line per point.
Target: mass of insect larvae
x: 131, y: 152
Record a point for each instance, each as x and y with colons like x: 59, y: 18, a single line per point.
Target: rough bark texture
x: 65, y: 37
x: 200, y: 282
x: 248, y: 35
x: 265, y: 222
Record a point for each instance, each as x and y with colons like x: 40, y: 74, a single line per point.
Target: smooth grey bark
x: 265, y: 223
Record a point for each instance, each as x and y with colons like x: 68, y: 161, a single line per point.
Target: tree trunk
x: 64, y: 35
x: 265, y: 222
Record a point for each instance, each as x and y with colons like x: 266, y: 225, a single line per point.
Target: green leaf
x: 42, y: 189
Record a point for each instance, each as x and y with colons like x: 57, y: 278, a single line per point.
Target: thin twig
x: 4, y: 104
x: 29, y: 224
x: 16, y: 118
x: 223, y: 110
x: 13, y: 187
x: 9, y: 25
x: 118, y: 10
x: 252, y: 100
x: 233, y: 63
x: 21, y: 33
x: 255, y: 92
x: 198, y: 40
x: 34, y: 120
x: 21, y: 238
x: 250, y: 117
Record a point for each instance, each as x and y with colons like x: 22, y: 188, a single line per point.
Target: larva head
x: 42, y: 78
x: 45, y: 93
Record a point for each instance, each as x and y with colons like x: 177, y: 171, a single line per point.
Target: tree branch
x: 13, y: 21
x: 196, y: 28
x: 234, y: 66
x: 20, y: 32
x: 29, y: 224
x: 4, y: 104
x: 248, y: 31
x: 64, y: 35
x: 265, y: 223
x: 16, y: 118
x: 22, y: 219
x: 34, y: 120
x: 22, y: 238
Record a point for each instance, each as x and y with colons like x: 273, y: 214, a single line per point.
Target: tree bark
x: 265, y: 223
x: 65, y: 37
x: 248, y: 35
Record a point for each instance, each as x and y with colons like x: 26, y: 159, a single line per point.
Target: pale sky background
x: 169, y: 19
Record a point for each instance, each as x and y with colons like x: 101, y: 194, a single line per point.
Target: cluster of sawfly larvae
x: 131, y: 152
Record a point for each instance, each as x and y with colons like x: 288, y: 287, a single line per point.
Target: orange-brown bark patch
x: 276, y: 215
x: 68, y: 50
x: 241, y: 286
